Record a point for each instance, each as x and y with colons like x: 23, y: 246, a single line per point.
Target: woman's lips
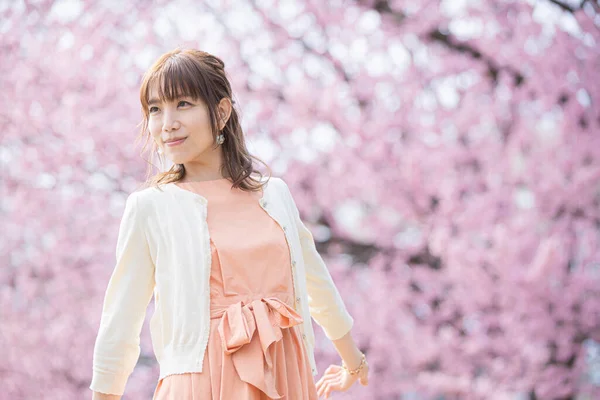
x: 175, y: 143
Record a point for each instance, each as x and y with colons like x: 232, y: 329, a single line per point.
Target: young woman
x: 234, y: 271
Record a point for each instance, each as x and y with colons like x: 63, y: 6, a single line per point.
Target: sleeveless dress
x: 255, y: 350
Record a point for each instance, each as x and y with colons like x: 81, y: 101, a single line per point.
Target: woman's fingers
x: 326, y: 380
x: 334, y: 379
x: 320, y: 382
x: 364, y: 381
x: 330, y: 386
x: 332, y: 370
x: 364, y: 378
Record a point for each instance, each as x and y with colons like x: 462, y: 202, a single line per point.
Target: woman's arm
x: 103, y: 396
x: 328, y: 310
x: 129, y: 291
x: 326, y: 305
x: 348, y: 350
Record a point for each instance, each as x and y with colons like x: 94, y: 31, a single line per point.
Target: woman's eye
x: 152, y: 109
x: 183, y: 101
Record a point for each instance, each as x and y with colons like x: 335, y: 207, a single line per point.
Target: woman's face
x: 184, y: 118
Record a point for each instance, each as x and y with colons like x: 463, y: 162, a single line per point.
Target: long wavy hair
x: 200, y: 75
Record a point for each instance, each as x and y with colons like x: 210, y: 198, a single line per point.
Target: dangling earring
x: 220, y: 138
x: 159, y: 150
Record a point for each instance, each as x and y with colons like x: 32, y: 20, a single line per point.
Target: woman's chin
x: 178, y: 160
x: 178, y: 157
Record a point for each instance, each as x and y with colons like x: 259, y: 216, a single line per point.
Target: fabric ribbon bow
x: 266, y: 317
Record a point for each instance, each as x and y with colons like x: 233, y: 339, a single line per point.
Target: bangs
x: 175, y: 78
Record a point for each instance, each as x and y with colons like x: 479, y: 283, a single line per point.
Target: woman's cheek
x: 152, y: 127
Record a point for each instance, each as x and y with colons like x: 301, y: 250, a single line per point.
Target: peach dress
x: 255, y: 349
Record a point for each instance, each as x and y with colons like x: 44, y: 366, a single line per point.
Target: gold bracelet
x: 357, y: 370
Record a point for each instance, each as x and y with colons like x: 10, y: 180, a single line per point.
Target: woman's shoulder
x: 146, y: 192
x: 280, y: 189
x: 146, y: 197
x: 278, y: 181
x: 282, y: 186
x: 277, y: 186
x: 136, y: 201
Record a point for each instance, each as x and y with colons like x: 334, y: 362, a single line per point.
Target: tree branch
x: 493, y: 67
x: 563, y: 6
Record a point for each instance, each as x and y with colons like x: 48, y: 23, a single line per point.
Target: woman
x: 234, y: 272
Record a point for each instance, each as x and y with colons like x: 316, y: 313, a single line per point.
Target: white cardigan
x: 163, y: 248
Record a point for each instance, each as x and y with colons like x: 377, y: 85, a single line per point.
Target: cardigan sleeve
x: 325, y: 303
x: 129, y: 290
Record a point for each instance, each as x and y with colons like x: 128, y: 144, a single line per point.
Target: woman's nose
x: 170, y: 122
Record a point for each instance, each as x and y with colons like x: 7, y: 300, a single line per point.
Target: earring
x: 159, y: 150
x: 220, y: 138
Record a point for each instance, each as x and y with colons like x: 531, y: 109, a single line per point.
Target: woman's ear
x: 224, y: 110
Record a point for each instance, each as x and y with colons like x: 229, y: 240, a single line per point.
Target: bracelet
x: 357, y: 370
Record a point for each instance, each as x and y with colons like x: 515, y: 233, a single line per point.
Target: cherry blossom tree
x: 445, y: 154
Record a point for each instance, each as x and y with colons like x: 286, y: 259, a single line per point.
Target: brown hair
x: 200, y: 75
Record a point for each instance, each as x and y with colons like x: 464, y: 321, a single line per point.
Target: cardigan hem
x: 179, y: 364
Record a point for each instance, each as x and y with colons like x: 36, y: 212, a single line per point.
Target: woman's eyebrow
x: 153, y: 101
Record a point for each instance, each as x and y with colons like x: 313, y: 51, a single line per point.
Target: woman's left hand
x: 336, y: 378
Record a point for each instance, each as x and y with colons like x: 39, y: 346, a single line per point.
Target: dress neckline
x: 175, y: 186
x: 206, y: 181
